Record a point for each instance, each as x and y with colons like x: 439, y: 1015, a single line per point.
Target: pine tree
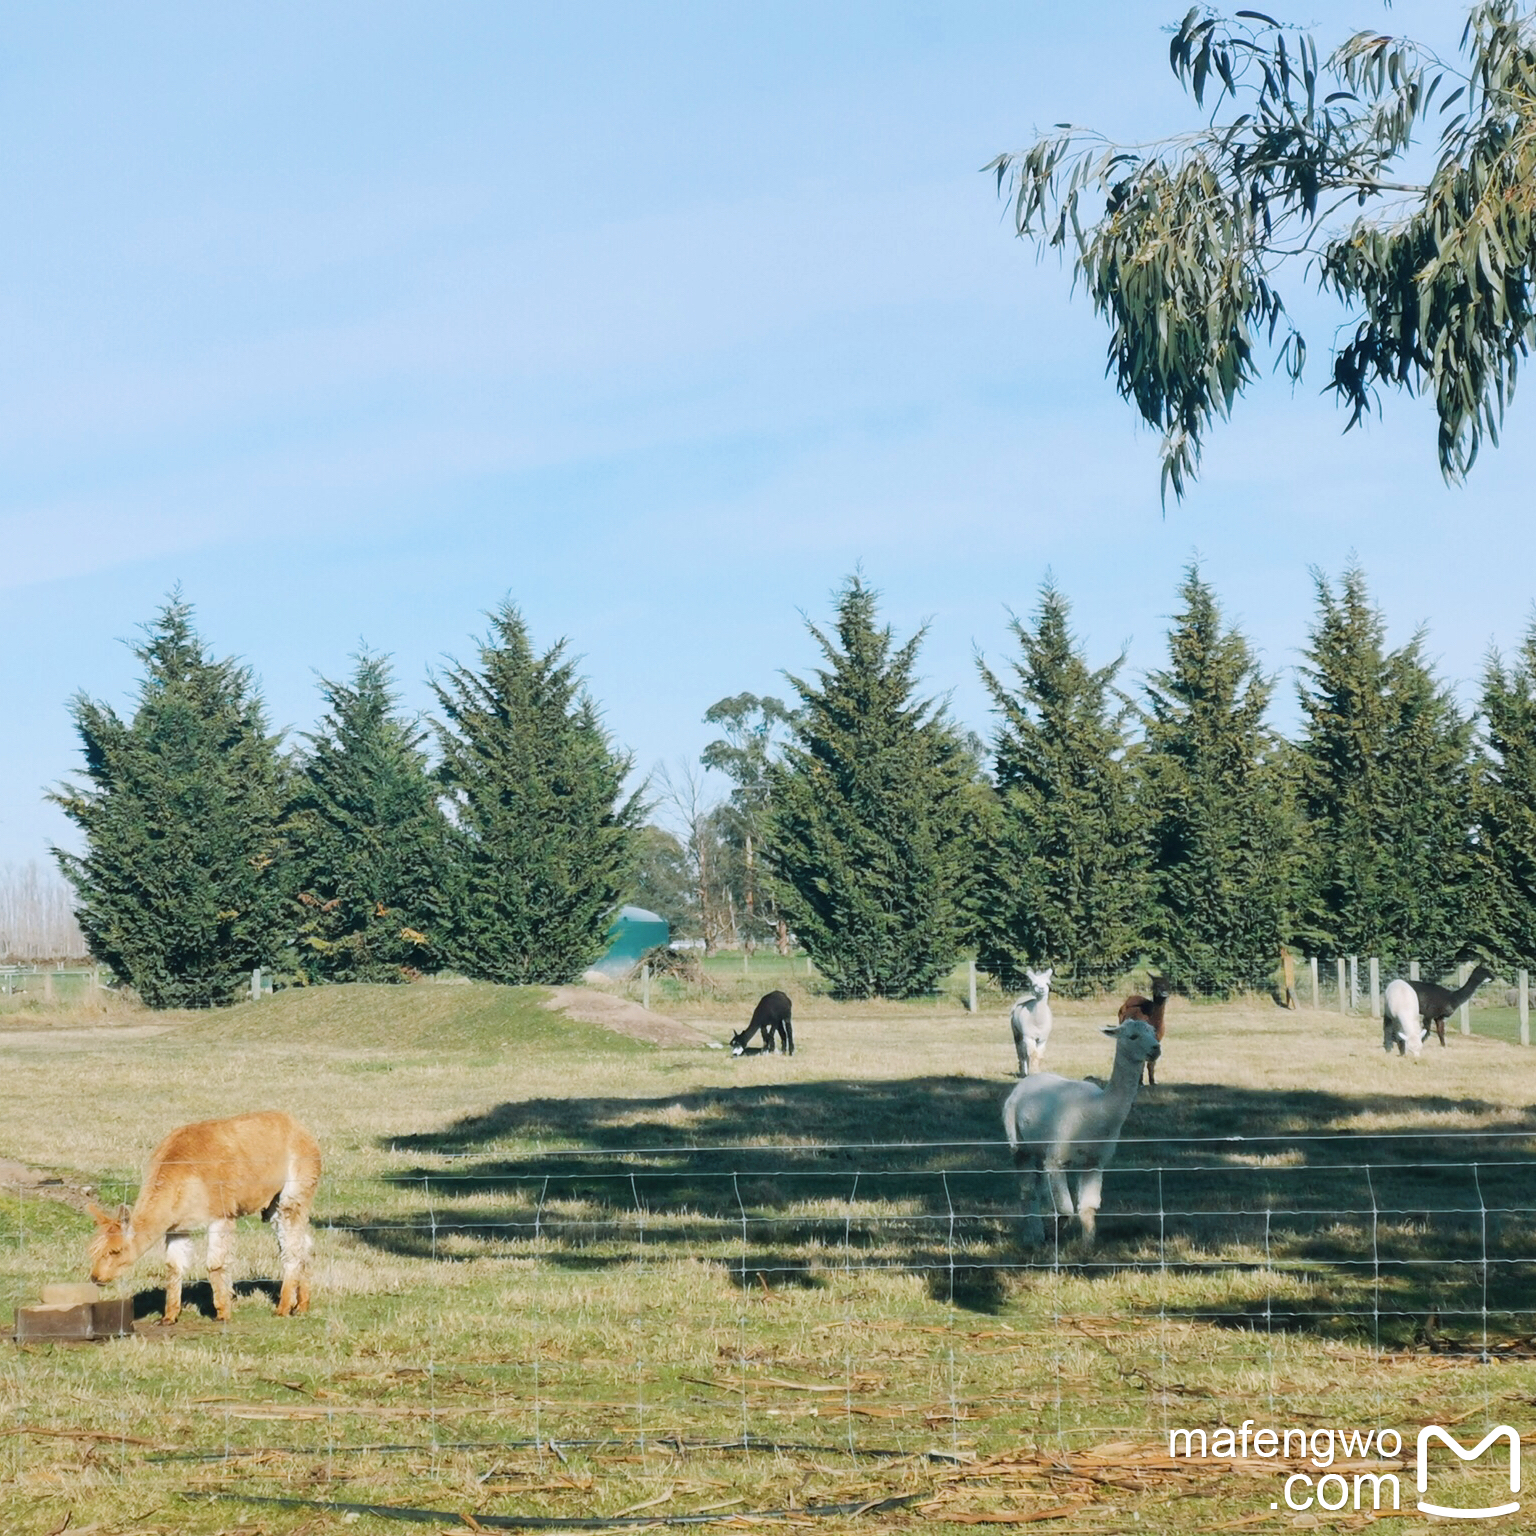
x: 368, y: 838
x: 181, y: 887
x: 865, y: 831
x: 1506, y: 803
x: 544, y: 845
x: 1217, y: 802
x: 1389, y: 864
x: 1064, y: 868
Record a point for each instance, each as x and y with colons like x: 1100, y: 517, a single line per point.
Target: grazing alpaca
x: 205, y: 1175
x: 1153, y: 1009
x: 771, y: 1019
x: 1057, y: 1126
x: 1437, y: 1003
x: 1401, y: 1024
x: 1031, y: 1020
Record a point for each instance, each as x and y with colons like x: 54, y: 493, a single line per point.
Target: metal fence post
x: 256, y: 985
x: 1343, y: 995
x: 1375, y: 987
x: 1317, y: 997
x: 1462, y: 972
x: 970, y: 969
x: 1525, y: 1007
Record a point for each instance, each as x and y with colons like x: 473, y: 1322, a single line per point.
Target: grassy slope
x: 640, y: 1306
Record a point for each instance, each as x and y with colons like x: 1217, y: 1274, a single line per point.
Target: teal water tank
x: 634, y: 931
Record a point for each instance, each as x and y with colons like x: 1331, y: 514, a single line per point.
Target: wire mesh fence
x: 516, y: 1324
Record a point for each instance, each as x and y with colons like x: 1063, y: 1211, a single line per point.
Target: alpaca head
x: 1480, y: 975
x: 1134, y: 1038
x: 110, y: 1247
x: 1040, y: 981
x: 1160, y: 989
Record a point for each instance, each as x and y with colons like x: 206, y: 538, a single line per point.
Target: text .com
x: 1350, y: 1486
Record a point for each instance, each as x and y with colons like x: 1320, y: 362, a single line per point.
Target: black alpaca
x: 770, y: 1019
x: 1437, y: 1003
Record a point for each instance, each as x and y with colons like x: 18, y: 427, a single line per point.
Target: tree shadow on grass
x: 912, y: 1174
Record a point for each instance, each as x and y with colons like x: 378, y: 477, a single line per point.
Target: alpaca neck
x: 1466, y: 989
x: 1124, y: 1080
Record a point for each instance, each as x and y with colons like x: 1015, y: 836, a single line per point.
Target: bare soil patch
x: 589, y: 1006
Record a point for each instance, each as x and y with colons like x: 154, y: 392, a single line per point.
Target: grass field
x: 728, y: 1286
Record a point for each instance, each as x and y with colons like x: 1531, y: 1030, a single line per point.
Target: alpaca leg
x: 1030, y: 1185
x: 221, y: 1248
x: 295, y: 1245
x: 1089, y: 1191
x: 178, y: 1260
x: 789, y: 1037
x: 1061, y: 1194
x: 1020, y: 1049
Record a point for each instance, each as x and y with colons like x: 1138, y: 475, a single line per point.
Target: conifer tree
x: 1064, y: 867
x: 181, y: 887
x: 544, y: 842
x: 867, y: 813
x: 1506, y: 803
x: 368, y: 838
x: 1389, y: 864
x: 1217, y: 802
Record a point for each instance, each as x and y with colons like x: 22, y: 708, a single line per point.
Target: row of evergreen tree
x: 209, y: 851
x: 1095, y: 829
x: 1100, y: 827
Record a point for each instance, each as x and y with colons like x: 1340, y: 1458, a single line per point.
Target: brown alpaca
x: 205, y: 1175
x: 1153, y: 1009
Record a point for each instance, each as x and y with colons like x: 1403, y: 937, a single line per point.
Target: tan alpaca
x: 205, y: 1175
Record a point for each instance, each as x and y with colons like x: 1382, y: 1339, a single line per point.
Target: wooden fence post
x: 1343, y: 994
x: 1462, y: 972
x: 970, y: 969
x: 1375, y: 987
x: 1317, y: 997
x: 256, y: 985
x: 1354, y: 983
x: 47, y: 986
x: 1413, y: 970
x: 645, y: 985
x: 1525, y: 1007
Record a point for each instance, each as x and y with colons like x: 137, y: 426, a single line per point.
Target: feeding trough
x: 73, y: 1313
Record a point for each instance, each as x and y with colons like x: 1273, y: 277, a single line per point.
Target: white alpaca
x: 1031, y: 1021
x: 1402, y: 1024
x: 1059, y: 1126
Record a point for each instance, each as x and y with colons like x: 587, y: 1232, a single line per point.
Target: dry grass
x: 477, y: 1281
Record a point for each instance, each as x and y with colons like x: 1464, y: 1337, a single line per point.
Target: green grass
x: 737, y: 1258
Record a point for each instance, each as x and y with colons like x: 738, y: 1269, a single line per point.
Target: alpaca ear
x: 102, y: 1218
x: 1047, y: 973
x: 1111, y: 1030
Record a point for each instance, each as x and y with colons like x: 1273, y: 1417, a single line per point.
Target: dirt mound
x: 590, y: 1006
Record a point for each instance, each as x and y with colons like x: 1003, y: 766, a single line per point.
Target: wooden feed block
x: 63, y: 1322
x: 71, y: 1293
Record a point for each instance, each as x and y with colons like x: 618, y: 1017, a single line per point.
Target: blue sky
x: 355, y: 319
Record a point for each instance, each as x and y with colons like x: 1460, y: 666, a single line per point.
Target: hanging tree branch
x: 1180, y: 243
